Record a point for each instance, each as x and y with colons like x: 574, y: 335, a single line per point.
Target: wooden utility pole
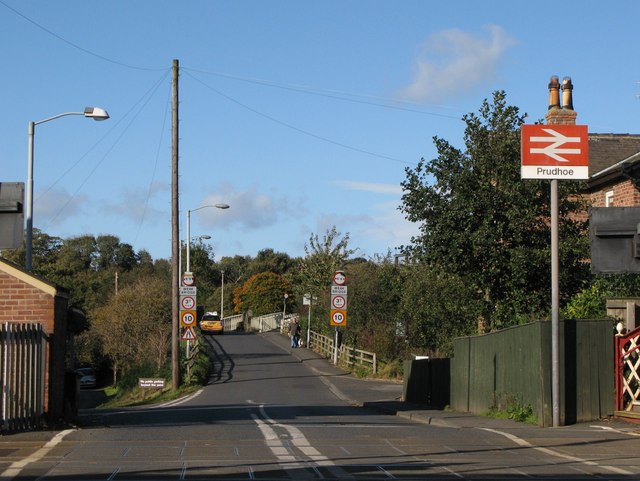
x: 175, y: 236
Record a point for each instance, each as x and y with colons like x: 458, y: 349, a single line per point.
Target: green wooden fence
x: 514, y: 366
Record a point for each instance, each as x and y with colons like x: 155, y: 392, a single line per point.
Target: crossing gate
x: 628, y: 374
x: 22, y: 372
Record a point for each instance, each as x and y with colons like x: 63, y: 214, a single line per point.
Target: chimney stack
x: 565, y: 115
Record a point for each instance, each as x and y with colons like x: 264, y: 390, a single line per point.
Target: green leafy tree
x: 375, y: 288
x: 205, y: 270
x: 435, y: 307
x: 481, y: 222
x: 315, y: 271
x: 267, y: 260
x: 134, y: 327
x: 263, y: 294
x: 322, y: 258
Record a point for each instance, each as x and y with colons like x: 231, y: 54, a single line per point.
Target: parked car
x: 211, y: 323
x: 87, y: 377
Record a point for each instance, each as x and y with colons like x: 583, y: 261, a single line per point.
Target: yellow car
x: 211, y: 323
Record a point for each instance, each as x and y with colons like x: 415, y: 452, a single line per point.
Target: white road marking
x: 17, y: 466
x: 551, y: 452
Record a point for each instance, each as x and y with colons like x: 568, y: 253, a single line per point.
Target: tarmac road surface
x: 271, y: 412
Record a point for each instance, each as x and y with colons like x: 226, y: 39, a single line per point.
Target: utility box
x: 11, y: 214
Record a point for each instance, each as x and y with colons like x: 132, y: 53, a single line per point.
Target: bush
x: 509, y: 406
x: 200, y: 365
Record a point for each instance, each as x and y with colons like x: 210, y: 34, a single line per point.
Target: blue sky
x: 300, y: 115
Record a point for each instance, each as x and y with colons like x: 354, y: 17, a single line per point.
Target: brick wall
x: 28, y: 299
x: 624, y: 195
x: 21, y: 302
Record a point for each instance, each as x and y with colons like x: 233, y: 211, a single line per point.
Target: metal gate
x: 628, y: 374
x: 22, y: 369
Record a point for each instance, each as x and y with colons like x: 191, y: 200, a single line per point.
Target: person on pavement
x: 294, y: 333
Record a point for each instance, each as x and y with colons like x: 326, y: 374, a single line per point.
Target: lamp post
x: 284, y: 307
x: 94, y: 113
x: 222, y: 298
x: 199, y: 238
x: 217, y: 206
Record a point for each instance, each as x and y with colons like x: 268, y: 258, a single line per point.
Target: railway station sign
x: 550, y: 151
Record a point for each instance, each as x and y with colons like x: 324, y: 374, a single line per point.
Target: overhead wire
x: 75, y: 45
x: 155, y: 168
x: 144, y: 100
x: 335, y: 94
x: 293, y: 127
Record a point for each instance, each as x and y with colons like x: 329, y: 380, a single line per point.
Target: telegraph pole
x: 175, y: 236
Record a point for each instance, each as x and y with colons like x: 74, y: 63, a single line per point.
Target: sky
x: 299, y: 115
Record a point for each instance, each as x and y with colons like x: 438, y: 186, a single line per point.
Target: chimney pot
x: 567, y: 96
x: 554, y: 92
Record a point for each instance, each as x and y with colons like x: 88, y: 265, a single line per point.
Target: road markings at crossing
x: 298, y: 440
x: 17, y: 466
x: 551, y: 452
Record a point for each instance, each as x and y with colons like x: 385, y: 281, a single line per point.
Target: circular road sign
x: 338, y: 302
x: 339, y: 279
x: 187, y: 303
x: 188, y: 279
x: 338, y: 318
x: 188, y: 318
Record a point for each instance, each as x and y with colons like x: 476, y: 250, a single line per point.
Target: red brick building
x: 25, y: 298
x: 614, y: 170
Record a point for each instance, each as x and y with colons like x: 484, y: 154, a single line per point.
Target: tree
x: 134, y: 327
x: 374, y: 287
x: 482, y: 223
x: 267, y: 260
x: 435, y: 307
x: 263, y: 294
x: 322, y: 259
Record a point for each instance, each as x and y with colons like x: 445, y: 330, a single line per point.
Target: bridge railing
x: 231, y: 323
x: 347, y: 355
x: 323, y: 345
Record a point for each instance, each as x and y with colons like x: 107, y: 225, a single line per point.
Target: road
x: 267, y: 414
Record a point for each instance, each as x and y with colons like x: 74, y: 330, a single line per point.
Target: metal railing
x: 22, y: 373
x: 231, y: 323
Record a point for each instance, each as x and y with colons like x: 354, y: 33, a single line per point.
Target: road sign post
x: 338, y: 316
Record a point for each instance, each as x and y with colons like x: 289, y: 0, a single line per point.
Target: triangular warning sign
x: 188, y: 334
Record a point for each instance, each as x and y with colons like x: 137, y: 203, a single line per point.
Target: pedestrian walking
x: 294, y: 333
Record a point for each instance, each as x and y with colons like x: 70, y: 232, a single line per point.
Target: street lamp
x: 222, y: 298
x: 94, y: 113
x: 182, y: 243
x: 217, y: 206
x: 284, y: 307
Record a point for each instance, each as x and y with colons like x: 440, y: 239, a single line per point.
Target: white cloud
x: 56, y: 206
x: 455, y: 62
x: 383, y: 227
x: 134, y: 203
x: 372, y: 187
x: 250, y: 209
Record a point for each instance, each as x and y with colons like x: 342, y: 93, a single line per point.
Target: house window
x: 608, y: 199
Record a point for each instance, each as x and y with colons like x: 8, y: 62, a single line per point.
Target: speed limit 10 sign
x: 187, y: 318
x: 338, y: 317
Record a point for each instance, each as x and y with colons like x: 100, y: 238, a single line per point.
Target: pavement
x: 569, y: 442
